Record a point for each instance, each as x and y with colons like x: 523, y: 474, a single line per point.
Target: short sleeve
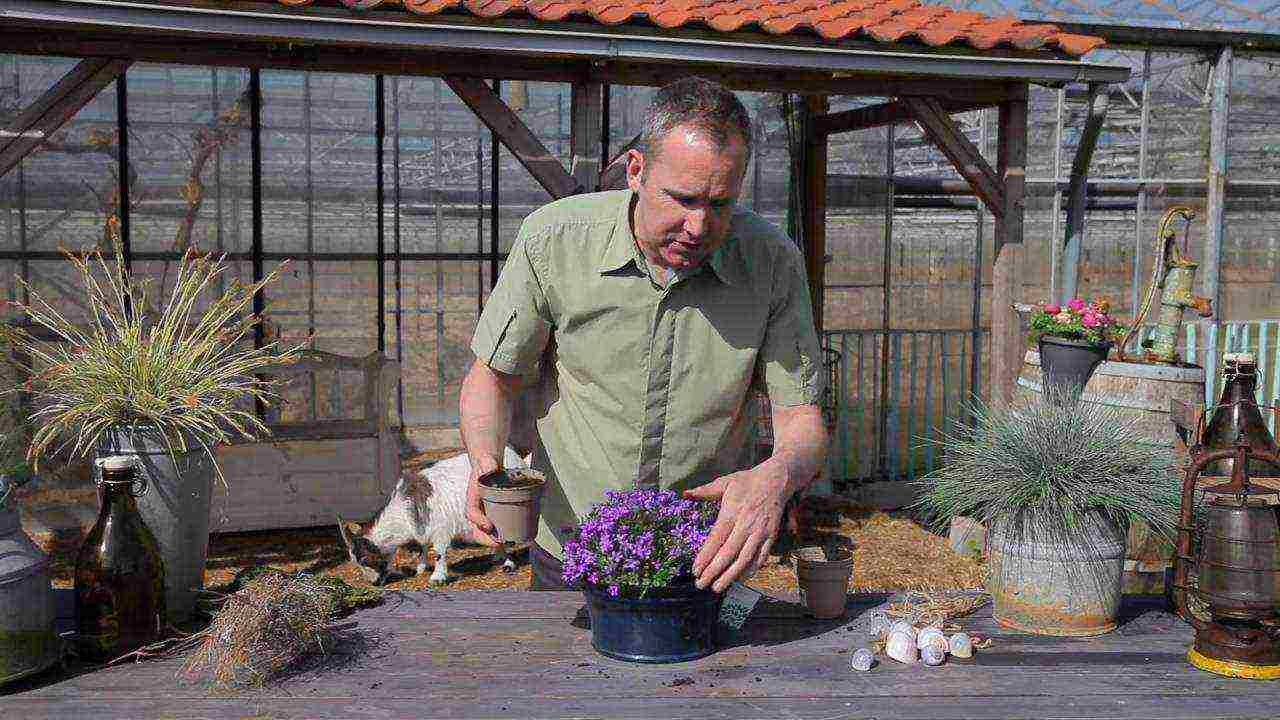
x: 790, y: 362
x: 515, y: 324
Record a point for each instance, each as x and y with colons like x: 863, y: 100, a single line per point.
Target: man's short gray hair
x: 704, y: 104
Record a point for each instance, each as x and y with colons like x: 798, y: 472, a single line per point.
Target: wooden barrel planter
x: 1142, y: 392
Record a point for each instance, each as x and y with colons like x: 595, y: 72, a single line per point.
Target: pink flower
x: 1076, y: 304
x: 1090, y: 319
x: 1052, y: 309
x: 1064, y: 317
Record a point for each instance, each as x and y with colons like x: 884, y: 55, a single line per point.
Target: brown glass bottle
x: 1237, y: 414
x: 119, y: 572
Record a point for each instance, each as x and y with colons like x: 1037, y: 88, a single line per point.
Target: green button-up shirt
x: 646, y: 383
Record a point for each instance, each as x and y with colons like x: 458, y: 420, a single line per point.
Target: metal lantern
x: 1231, y: 537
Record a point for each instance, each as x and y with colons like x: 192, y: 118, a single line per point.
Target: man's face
x: 685, y: 196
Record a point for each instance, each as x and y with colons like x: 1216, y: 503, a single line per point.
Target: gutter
x: 494, y: 37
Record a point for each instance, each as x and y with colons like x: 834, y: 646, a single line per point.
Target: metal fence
x: 896, y: 391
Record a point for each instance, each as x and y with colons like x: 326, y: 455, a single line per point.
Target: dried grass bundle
x: 267, y: 625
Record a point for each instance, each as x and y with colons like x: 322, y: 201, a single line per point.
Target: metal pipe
x: 380, y: 130
x: 1214, y: 219
x: 495, y: 198
x: 1055, y: 253
x: 395, y: 178
x: 563, y: 40
x: 886, y: 295
x: 255, y: 155
x: 1143, y: 125
x: 122, y: 163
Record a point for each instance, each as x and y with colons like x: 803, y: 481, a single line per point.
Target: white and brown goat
x: 428, y: 508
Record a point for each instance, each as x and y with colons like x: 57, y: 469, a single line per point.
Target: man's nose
x: 695, y: 222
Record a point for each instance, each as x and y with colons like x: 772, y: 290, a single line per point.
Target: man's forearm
x: 799, y: 445
x: 484, y: 409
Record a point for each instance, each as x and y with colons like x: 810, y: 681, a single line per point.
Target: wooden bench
x: 319, y: 460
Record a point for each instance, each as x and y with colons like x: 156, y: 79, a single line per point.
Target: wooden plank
x: 1098, y: 101
x: 943, y: 132
x: 815, y: 205
x: 515, y: 135
x: 890, y: 112
x: 444, y: 654
x: 1006, y: 338
x: 49, y: 112
x: 586, y: 115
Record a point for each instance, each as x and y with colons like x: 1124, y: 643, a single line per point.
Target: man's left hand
x: 751, y: 504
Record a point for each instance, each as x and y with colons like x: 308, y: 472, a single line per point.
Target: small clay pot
x: 512, y: 501
x: 823, y: 573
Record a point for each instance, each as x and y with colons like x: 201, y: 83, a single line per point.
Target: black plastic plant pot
x: 667, y: 625
x: 1068, y: 364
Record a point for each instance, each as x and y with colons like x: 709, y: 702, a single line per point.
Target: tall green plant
x: 1041, y: 466
x: 182, y: 370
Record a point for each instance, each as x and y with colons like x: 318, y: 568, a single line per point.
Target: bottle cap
x: 117, y: 462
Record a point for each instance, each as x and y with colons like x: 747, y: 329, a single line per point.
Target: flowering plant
x: 1085, y: 321
x: 637, y: 540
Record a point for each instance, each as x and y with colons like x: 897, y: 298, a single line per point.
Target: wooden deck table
x: 516, y: 654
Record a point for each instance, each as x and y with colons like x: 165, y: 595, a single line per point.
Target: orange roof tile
x: 886, y: 21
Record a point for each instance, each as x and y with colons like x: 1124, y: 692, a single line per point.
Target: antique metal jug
x: 28, y: 640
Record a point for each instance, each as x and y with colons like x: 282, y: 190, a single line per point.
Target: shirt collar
x: 622, y: 247
x: 726, y: 262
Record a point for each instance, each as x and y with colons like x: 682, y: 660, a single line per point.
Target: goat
x: 429, y: 507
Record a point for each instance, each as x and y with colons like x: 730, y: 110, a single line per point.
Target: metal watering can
x: 28, y: 641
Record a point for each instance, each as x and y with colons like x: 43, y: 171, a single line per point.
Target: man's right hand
x: 482, y: 530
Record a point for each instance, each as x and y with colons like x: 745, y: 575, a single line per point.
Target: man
x: 657, y: 308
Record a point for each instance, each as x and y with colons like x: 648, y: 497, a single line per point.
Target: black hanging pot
x: 1067, y: 364
x: 667, y: 625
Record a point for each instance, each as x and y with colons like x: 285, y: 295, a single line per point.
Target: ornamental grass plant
x: 184, y: 371
x: 636, y: 541
x: 1037, y: 469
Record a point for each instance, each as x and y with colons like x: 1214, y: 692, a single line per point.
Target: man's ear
x: 635, y: 168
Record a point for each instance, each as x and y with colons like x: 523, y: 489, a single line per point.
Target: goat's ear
x: 346, y: 537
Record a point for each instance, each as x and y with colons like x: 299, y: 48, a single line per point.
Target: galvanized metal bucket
x: 1047, y: 584
x: 28, y: 640
x: 174, y: 504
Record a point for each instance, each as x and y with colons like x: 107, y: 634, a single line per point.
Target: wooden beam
x: 614, y: 175
x: 814, y: 206
x: 515, y: 135
x: 883, y: 114
x: 586, y: 113
x: 938, y: 126
x: 1077, y: 190
x: 55, y: 107
x: 1007, y: 345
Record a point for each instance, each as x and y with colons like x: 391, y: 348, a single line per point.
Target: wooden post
x: 815, y: 204
x: 586, y: 115
x: 1011, y: 160
x: 1217, y: 190
x: 1098, y: 100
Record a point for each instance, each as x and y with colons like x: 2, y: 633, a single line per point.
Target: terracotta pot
x: 823, y: 573
x: 1068, y: 364
x: 512, y: 501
